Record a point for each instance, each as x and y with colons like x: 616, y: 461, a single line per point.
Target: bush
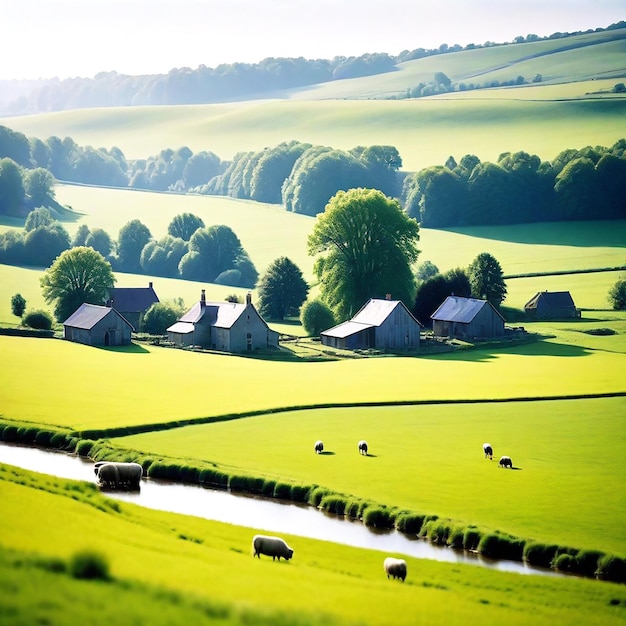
x: 539, y: 554
x: 316, y: 316
x: 268, y: 488
x: 612, y: 568
x: 455, y: 538
x: 352, y: 509
x: 163, y: 471
x: 84, y: 447
x: 409, y: 523
x: 38, y: 319
x: 27, y: 434
x: 300, y: 493
x: 210, y: 476
x: 88, y: 564
x: 43, y: 437
x: 617, y: 295
x: 282, y: 491
x: 471, y: 538
x: 9, y: 433
x: 436, y: 532
x: 333, y: 504
x: 378, y: 517
x: 500, y: 546
x: 60, y: 441
x: 564, y: 563
x: 316, y: 495
x: 587, y: 562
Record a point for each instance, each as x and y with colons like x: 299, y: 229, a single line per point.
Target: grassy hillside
x: 168, y: 568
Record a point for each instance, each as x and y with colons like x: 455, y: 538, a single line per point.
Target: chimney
x: 388, y: 296
x: 248, y: 298
x: 202, y: 298
x: 150, y: 285
x: 110, y: 303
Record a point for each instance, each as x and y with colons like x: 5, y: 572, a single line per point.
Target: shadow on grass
x: 133, y: 348
x: 326, y: 453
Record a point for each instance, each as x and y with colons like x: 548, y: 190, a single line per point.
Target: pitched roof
x: 219, y: 314
x: 182, y: 328
x: 88, y: 315
x: 557, y: 299
x: 459, y: 309
x: 133, y: 299
x: 346, y: 329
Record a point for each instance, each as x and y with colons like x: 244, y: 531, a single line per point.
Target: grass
x: 435, y: 454
x: 167, y: 568
x: 541, y: 369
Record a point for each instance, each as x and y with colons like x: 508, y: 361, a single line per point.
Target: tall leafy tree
x: 316, y: 316
x: 39, y: 186
x: 77, y: 276
x: 43, y: 244
x: 11, y: 187
x: 367, y: 246
x: 282, y: 289
x: 18, y: 305
x: 184, y: 225
x: 100, y: 240
x: 486, y: 279
x: 433, y: 291
x: 133, y: 236
x: 617, y: 295
x: 38, y: 217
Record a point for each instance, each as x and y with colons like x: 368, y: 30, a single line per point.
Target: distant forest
x: 578, y: 184
x: 226, y: 82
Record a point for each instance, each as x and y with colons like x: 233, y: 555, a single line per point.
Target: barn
x: 96, y: 325
x: 467, y: 318
x: 380, y: 324
x: 224, y: 326
x: 550, y: 305
x: 133, y: 302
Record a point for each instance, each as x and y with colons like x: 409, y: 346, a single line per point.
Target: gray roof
x: 462, y: 310
x: 345, y: 329
x: 88, y: 315
x: 182, y: 328
x: 220, y: 314
x: 375, y: 311
x: 132, y: 299
x: 558, y: 299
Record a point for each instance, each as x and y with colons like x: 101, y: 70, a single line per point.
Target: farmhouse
x: 379, y: 324
x: 550, y: 305
x: 132, y: 302
x: 226, y: 326
x: 96, y: 325
x: 467, y: 318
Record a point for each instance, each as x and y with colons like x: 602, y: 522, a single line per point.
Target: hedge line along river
x: 250, y: 511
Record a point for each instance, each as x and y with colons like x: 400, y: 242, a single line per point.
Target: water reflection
x: 252, y: 512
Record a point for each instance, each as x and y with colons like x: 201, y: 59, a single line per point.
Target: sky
x: 70, y: 38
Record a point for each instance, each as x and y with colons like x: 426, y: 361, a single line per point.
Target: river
x: 253, y: 512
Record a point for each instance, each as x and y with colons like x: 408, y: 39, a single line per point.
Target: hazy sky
x: 66, y: 38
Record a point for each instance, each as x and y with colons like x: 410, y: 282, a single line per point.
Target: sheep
x: 363, y: 447
x: 116, y: 475
x: 396, y: 568
x: 271, y: 546
x: 505, y: 461
x: 319, y: 447
x: 488, y: 450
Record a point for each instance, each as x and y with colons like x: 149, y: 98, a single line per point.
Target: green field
x: 166, y: 568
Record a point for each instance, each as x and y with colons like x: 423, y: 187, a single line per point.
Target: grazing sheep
x: 396, y: 568
x: 488, y: 450
x: 363, y: 447
x: 119, y: 475
x: 271, y: 546
x: 505, y: 461
x: 319, y: 447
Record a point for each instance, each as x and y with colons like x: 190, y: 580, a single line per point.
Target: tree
x: 133, y: 236
x: 80, y: 238
x: 425, y: 270
x: 11, y: 187
x: 433, y: 291
x: 160, y: 316
x: 617, y: 295
x: 486, y: 279
x: 316, y: 316
x: 44, y: 244
x: 99, y: 240
x: 39, y: 187
x: 368, y: 246
x: 184, y: 226
x: 18, y: 305
x: 38, y: 217
x: 161, y: 258
x: 77, y: 276
x: 282, y: 289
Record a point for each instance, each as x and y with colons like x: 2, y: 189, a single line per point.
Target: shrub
x: 352, y: 509
x: 300, y: 493
x: 38, y: 319
x: 333, y: 504
x: 564, y: 562
x: 84, y: 447
x: 436, y: 532
x: 210, y: 476
x: 612, y: 568
x: 164, y: 471
x: 409, y: 523
x: 59, y: 441
x: 455, y: 538
x: 471, y: 538
x: 587, y: 562
x: 189, y: 474
x: 500, y: 546
x: 9, y: 433
x: 268, y: 488
x: 378, y: 517
x: 90, y: 565
x: 282, y: 491
x: 316, y: 495
x: 539, y: 554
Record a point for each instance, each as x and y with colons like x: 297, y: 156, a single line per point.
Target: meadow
x: 166, y: 567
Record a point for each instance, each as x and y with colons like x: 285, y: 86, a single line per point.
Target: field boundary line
x: 123, y: 431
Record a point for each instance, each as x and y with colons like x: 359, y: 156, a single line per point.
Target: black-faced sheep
x: 396, y: 568
x: 505, y: 461
x: 363, y: 447
x: 119, y: 475
x: 488, y: 450
x: 271, y: 546
x: 319, y: 447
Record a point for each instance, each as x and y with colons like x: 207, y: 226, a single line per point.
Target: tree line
x: 228, y: 81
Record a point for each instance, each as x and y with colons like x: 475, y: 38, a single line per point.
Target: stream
x: 253, y: 512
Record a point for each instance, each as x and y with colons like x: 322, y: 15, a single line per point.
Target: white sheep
x: 488, y: 450
x: 363, y: 447
x: 271, y: 546
x: 319, y: 447
x: 396, y: 568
